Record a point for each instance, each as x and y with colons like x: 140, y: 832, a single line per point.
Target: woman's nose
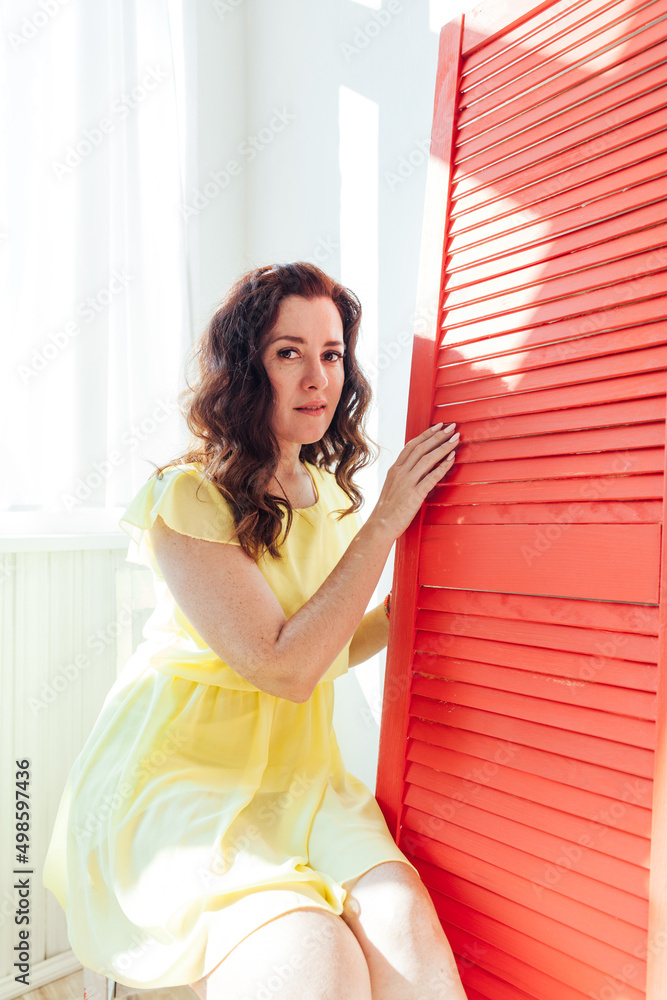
x: 316, y: 375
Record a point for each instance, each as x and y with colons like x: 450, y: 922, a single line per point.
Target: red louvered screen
x: 523, y: 753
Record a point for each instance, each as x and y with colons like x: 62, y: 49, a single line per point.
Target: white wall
x: 342, y: 183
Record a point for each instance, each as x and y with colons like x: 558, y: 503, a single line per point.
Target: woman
x: 209, y: 832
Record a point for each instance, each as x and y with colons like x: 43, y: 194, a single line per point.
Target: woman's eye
x: 287, y: 352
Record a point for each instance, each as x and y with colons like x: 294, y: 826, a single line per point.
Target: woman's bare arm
x: 370, y: 637
x: 224, y: 595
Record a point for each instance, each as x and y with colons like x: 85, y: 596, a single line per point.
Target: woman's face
x: 303, y: 357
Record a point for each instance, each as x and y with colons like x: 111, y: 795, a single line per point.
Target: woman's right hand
x: 420, y: 466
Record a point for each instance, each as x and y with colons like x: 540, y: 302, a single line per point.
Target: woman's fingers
x: 423, y: 462
x: 423, y: 445
x: 434, y: 459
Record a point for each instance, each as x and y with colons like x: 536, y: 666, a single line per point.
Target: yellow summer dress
x: 200, y: 807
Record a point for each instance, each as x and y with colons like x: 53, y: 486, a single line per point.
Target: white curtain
x: 95, y: 308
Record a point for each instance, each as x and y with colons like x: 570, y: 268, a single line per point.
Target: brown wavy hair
x: 229, y: 405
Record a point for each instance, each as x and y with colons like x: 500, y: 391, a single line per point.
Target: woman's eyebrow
x: 300, y: 340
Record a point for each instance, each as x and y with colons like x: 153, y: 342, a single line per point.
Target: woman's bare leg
x: 393, y: 918
x: 306, y: 954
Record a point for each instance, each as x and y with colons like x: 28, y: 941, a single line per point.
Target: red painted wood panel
x: 643, y: 511
x: 569, y: 167
x: 515, y: 887
x: 523, y: 750
x: 627, y: 618
x: 543, y: 772
x: 500, y: 557
x: 578, y: 941
x: 544, y: 635
x: 619, y: 78
x: 572, y: 883
x: 603, y: 668
x: 629, y: 55
x: 554, y: 807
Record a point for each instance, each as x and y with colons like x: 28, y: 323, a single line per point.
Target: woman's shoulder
x: 186, y: 500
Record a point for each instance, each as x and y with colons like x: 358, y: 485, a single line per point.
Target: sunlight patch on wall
x: 358, y: 160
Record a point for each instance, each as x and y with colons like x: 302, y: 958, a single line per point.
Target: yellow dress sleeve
x: 187, y: 502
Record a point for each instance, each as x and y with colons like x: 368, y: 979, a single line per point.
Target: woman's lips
x: 313, y: 411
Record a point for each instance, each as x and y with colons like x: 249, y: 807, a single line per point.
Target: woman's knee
x: 390, y: 904
x: 304, y: 953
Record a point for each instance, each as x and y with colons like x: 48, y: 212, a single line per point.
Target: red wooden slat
x: 527, y: 974
x: 541, y: 955
x: 616, y: 902
x: 541, y: 775
x: 638, y: 95
x: 634, y: 55
x: 579, y: 944
x: 630, y: 463
x: 468, y: 361
x: 491, y: 323
x: 621, y: 701
x: 607, y: 667
x: 496, y: 557
x: 569, y: 167
x: 543, y: 21
x: 542, y: 634
x: 564, y: 331
x: 455, y: 795
x: 523, y: 377
x: 593, y: 750
x: 536, y: 199
x: 514, y: 886
x: 553, y: 152
x: 605, y: 439
x: 648, y: 511
x: 595, y: 282
x: 566, y: 309
x: 548, y: 845
x: 623, y: 71
x: 602, y: 391
x: 492, y: 427
x: 537, y: 799
x: 609, y: 488
x: 499, y: 217
x: 584, y: 262
x: 588, y: 242
x: 571, y: 718
x: 582, y: 614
